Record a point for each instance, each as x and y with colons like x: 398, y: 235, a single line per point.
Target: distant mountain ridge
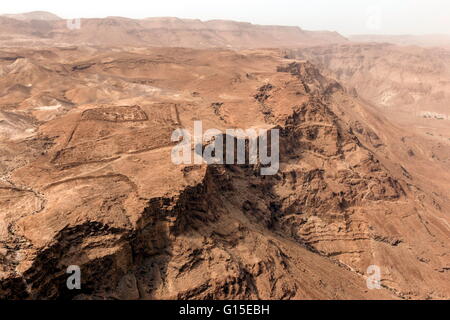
x: 34, y: 15
x: 427, y: 40
x: 47, y: 28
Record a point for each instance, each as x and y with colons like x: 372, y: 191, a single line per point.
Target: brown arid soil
x: 86, y: 176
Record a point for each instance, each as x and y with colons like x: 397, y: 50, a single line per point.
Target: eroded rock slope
x: 93, y: 184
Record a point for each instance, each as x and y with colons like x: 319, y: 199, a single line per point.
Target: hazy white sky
x: 344, y: 16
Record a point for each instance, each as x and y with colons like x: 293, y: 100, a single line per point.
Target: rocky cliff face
x: 406, y: 81
x: 408, y: 85
x: 93, y: 184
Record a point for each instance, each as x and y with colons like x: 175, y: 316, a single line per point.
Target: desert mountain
x: 45, y: 28
x: 35, y: 15
x: 87, y: 116
x: 92, y: 184
x: 429, y: 40
x: 410, y: 85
